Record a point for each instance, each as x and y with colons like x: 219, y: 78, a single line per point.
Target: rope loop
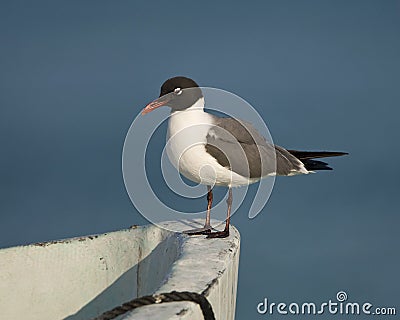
x: 172, y: 296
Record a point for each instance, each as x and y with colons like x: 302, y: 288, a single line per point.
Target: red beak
x: 162, y: 101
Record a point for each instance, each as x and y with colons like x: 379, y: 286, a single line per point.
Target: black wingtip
x: 338, y: 154
x: 307, y: 157
x: 313, y: 165
x: 303, y: 155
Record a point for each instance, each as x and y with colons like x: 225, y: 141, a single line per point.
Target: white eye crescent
x: 178, y: 91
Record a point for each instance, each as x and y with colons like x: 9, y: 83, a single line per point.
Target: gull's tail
x: 307, y: 157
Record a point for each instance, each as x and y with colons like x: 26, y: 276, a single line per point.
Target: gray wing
x: 237, y: 145
x: 287, y: 163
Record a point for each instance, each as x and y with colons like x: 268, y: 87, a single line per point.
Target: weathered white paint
x: 204, y: 264
x: 78, y: 279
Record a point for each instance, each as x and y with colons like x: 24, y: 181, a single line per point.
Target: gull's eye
x: 178, y: 91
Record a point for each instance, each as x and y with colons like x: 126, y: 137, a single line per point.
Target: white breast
x: 186, y: 140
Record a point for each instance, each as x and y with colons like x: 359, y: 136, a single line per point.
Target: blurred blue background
x: 323, y: 74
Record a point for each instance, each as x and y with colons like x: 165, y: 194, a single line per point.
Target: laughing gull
x: 234, y: 150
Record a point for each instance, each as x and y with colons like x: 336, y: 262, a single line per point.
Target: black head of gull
x: 174, y: 95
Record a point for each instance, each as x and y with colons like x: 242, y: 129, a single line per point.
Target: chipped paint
x: 99, y: 272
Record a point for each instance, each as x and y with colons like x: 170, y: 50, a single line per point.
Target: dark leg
x: 207, y: 226
x: 225, y: 233
x: 209, y: 204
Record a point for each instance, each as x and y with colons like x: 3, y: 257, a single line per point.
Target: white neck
x: 198, y: 106
x: 190, y: 117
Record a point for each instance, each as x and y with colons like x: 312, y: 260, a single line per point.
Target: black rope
x: 200, y: 299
